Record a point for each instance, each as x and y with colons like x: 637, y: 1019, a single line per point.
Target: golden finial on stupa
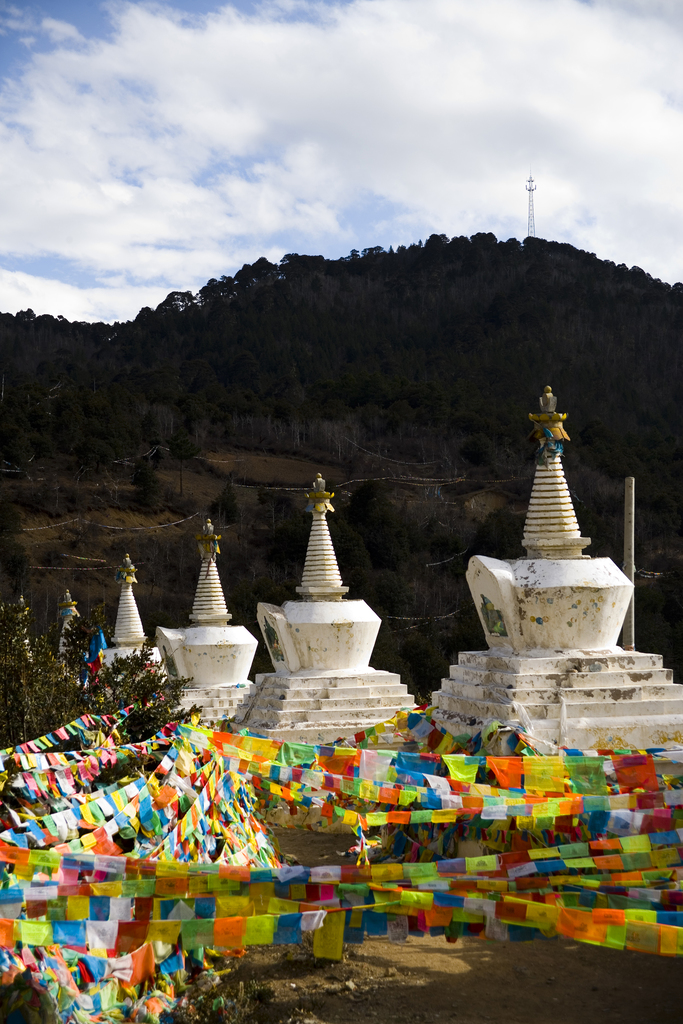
x: 318, y: 497
x: 548, y: 429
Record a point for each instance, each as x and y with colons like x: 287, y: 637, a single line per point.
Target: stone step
x: 199, y: 693
x: 390, y: 700
x: 212, y: 702
x: 555, y: 695
x: 612, y: 733
x: 355, y: 682
x: 324, y: 733
x: 641, y: 709
x: 568, y: 680
x: 348, y: 716
x: 353, y: 693
x: 485, y: 710
x: 581, y: 661
x: 216, y: 702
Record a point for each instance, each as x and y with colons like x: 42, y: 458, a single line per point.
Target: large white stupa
x: 552, y: 623
x: 322, y: 686
x: 215, y: 656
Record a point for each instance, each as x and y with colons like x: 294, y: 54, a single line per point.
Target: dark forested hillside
x: 456, y: 333
x: 419, y: 363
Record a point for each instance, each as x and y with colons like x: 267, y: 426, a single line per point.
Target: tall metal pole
x: 628, y: 637
x: 531, y: 223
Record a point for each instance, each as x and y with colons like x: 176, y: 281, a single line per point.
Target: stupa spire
x: 209, y: 608
x: 321, y: 580
x: 67, y: 613
x: 128, y: 631
x: 551, y: 529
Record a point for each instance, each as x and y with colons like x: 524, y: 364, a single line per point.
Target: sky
x: 147, y: 147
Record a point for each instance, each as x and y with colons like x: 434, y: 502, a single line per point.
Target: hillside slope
x: 417, y: 366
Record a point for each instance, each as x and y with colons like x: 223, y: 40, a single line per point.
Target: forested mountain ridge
x: 423, y: 362
x: 467, y: 312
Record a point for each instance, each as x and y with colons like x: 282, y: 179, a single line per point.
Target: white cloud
x: 120, y: 301
x: 61, y: 31
x: 181, y: 147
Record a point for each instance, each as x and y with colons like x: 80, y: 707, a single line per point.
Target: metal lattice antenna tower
x: 531, y: 225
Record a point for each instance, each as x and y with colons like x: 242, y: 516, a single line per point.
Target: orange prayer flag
x: 579, y: 924
x: 143, y: 964
x: 635, y: 771
x: 6, y: 933
x: 610, y: 863
x: 438, y: 917
x: 668, y: 940
x: 508, y: 771
x: 228, y: 932
x: 165, y: 795
x: 604, y: 915
x: 236, y: 871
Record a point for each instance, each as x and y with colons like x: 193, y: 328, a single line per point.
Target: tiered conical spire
x: 209, y: 608
x: 321, y: 580
x: 551, y: 529
x: 128, y: 631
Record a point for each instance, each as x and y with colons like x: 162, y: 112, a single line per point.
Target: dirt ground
x: 428, y: 979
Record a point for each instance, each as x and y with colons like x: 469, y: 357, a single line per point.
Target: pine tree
x: 224, y: 510
x: 182, y: 448
x: 147, y: 489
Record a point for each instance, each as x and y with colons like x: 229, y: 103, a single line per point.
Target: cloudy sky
x: 146, y: 146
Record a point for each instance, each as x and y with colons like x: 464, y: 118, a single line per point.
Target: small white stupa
x: 215, y: 656
x: 68, y: 614
x: 323, y: 687
x: 552, y: 623
x: 129, y: 636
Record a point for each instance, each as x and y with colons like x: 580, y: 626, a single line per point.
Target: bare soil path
x: 427, y: 979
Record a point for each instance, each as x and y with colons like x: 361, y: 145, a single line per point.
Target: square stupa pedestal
x: 217, y: 702
x: 613, y: 699
x: 321, y: 707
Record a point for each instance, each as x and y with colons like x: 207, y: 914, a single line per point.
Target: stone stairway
x: 217, y: 702
x: 578, y: 699
x: 318, y: 709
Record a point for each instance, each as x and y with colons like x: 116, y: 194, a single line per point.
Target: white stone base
x: 319, y: 708
x: 212, y: 656
x: 125, y: 652
x: 613, y: 699
x: 217, y: 702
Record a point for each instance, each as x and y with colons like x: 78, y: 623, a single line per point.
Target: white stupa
x: 129, y: 636
x: 68, y: 614
x: 322, y: 687
x: 215, y: 656
x: 552, y: 622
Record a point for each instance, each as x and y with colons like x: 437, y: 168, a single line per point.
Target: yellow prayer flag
x: 543, y: 913
x: 234, y: 906
x: 36, y: 933
x: 473, y: 864
x: 328, y: 941
x: 418, y: 899
x: 260, y: 930
x: 106, y: 888
x: 444, y: 814
x: 163, y: 931
x: 78, y: 908
x: 386, y: 872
